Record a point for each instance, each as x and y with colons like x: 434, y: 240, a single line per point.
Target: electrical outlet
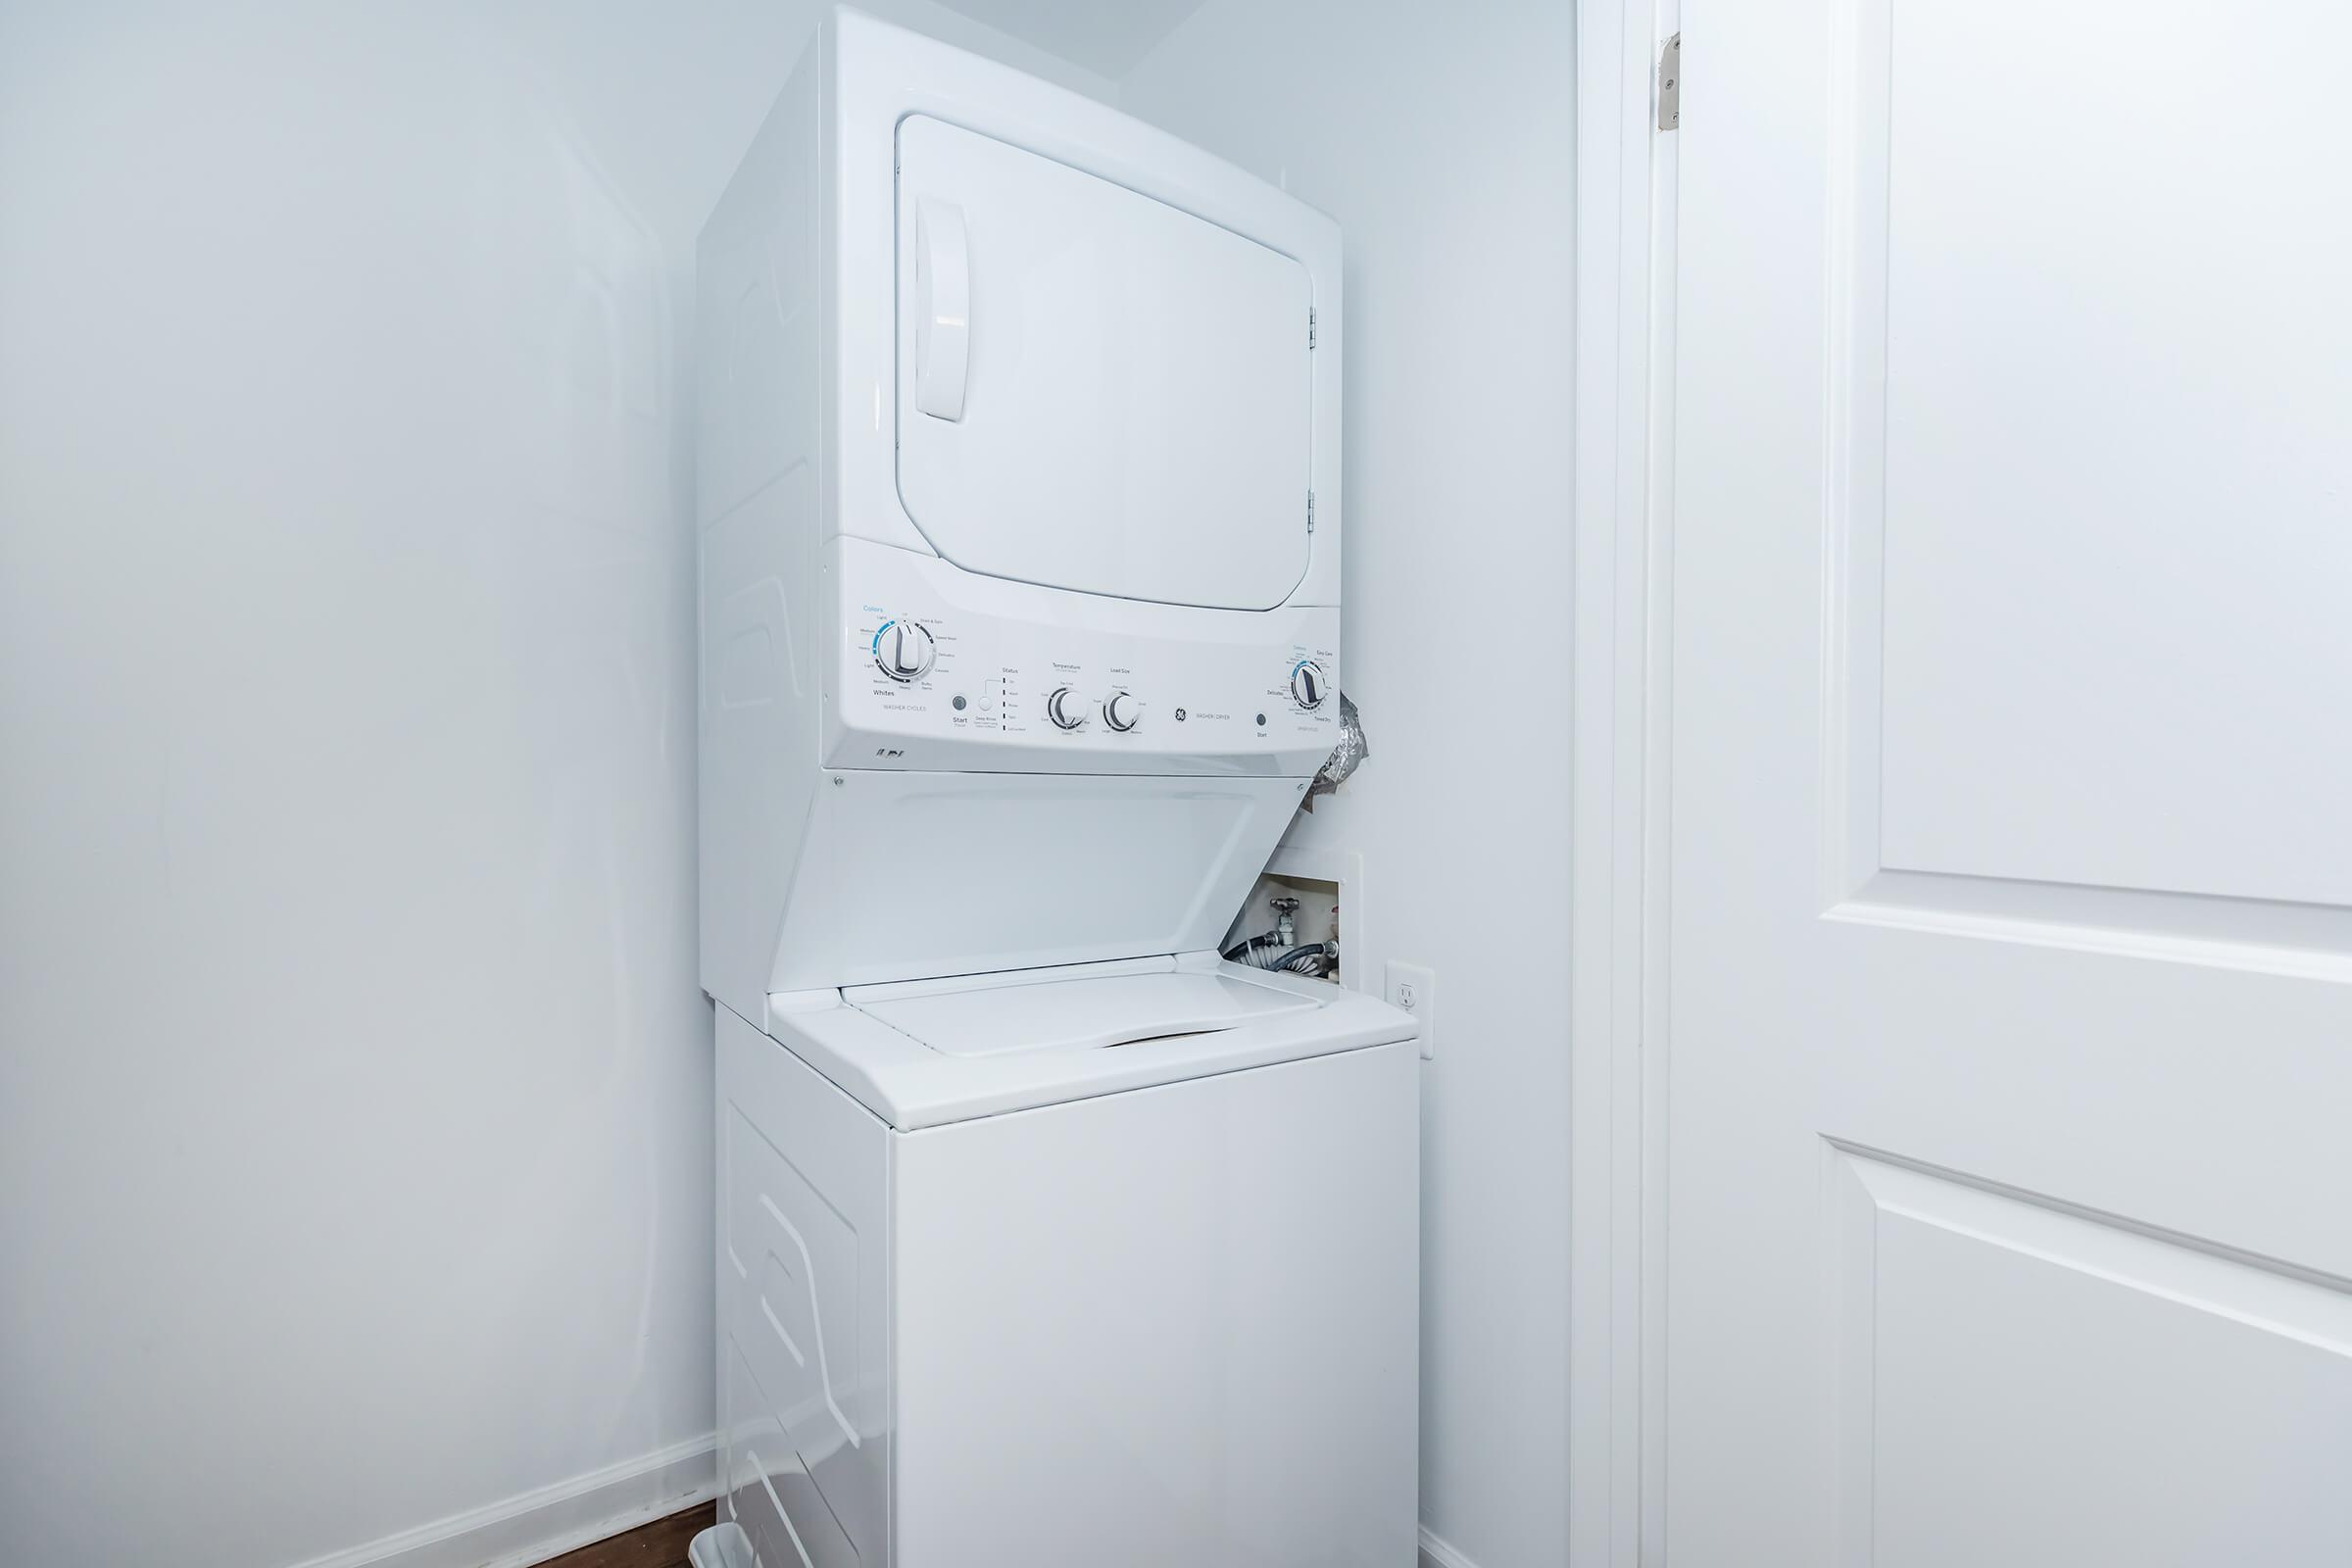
x: 1413, y: 987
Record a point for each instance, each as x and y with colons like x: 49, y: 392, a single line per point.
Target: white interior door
x: 1095, y: 390
x: 2009, y: 1207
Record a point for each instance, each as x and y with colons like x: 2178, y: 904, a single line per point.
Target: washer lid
x: 922, y: 1053
x: 1090, y: 1012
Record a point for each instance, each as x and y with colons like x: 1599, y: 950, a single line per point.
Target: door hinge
x: 1310, y: 512
x: 1670, y: 83
x: 1310, y: 327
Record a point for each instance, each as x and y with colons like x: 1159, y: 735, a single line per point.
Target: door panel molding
x: 2308, y: 940
x: 2264, y: 1329
x: 2308, y: 1304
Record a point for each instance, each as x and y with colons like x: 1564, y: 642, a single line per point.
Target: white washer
x: 1004, y: 1284
x: 1046, y: 1236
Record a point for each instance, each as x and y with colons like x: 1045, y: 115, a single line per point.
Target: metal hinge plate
x: 1310, y: 512
x: 1310, y: 327
x: 1670, y: 83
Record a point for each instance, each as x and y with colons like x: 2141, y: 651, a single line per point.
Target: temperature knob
x: 904, y: 651
x: 1120, y: 711
x: 1065, y: 708
x: 1310, y: 685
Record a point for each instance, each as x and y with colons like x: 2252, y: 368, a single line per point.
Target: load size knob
x: 1120, y: 711
x: 1310, y: 686
x: 904, y: 651
x: 1065, y: 708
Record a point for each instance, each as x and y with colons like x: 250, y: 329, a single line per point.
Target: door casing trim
x: 1619, y: 788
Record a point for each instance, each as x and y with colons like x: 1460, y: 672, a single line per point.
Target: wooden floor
x: 660, y: 1544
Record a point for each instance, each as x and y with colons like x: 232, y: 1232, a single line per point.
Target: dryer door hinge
x: 1670, y: 83
x: 1310, y: 327
x: 1310, y: 512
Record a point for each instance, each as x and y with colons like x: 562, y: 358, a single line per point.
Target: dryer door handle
x: 943, y: 309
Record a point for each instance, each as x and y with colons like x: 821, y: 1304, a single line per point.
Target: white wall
x: 1441, y: 136
x: 355, y: 1085
x: 354, y: 1081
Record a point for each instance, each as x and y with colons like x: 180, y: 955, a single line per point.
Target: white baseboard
x: 1435, y: 1554
x: 534, y: 1526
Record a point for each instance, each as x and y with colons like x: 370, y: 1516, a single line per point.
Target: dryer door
x: 1095, y: 390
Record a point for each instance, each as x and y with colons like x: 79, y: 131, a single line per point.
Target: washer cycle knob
x: 1065, y: 708
x: 904, y: 651
x: 1310, y: 686
x: 1121, y: 711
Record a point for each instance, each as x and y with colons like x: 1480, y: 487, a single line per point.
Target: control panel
x: 940, y: 668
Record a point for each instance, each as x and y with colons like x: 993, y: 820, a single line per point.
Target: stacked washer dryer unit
x: 1045, y: 1236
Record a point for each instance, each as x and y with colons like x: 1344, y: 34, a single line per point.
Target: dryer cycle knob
x: 1121, y: 711
x: 1310, y: 686
x: 904, y: 651
x: 1065, y: 708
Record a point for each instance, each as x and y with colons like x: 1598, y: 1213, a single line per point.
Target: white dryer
x: 1046, y: 1237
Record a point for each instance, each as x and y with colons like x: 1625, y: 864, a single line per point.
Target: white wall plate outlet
x: 1413, y: 987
